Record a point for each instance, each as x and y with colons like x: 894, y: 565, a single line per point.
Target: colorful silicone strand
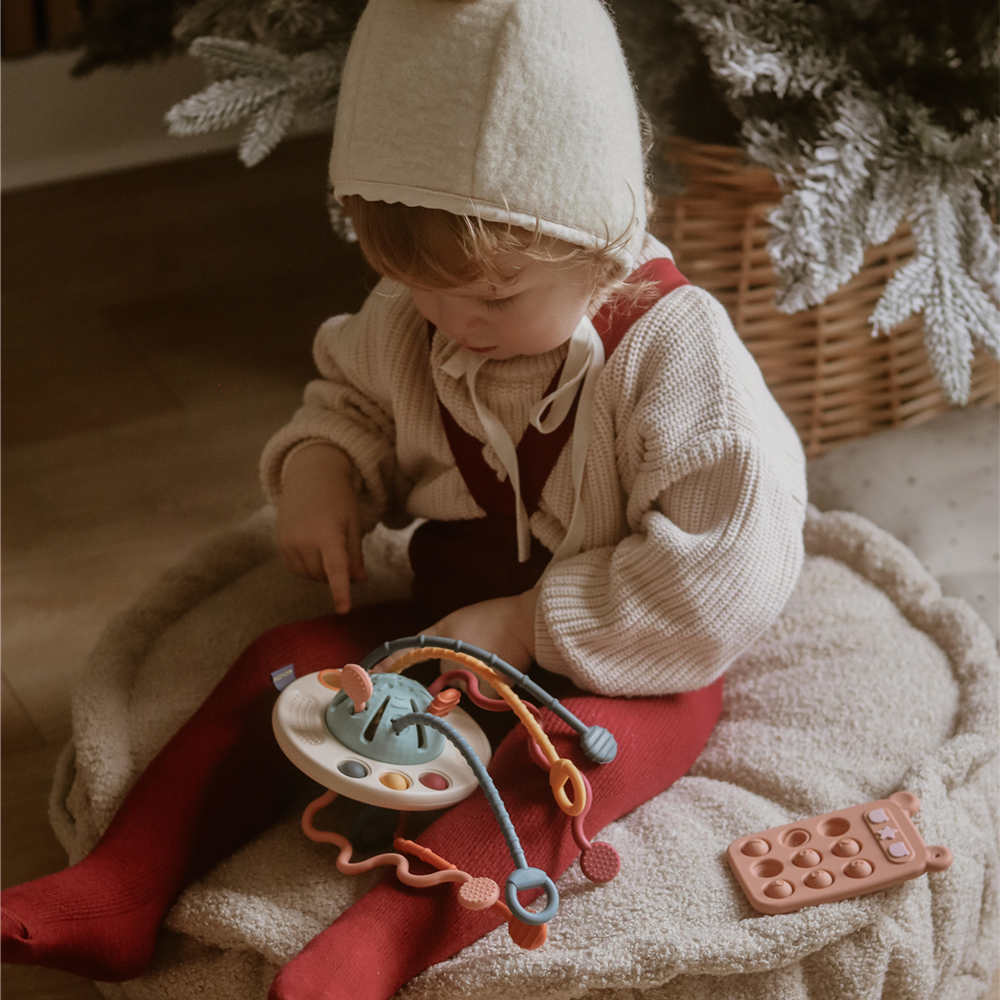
x: 348, y: 867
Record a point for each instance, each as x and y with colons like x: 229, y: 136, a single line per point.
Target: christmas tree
x: 869, y: 113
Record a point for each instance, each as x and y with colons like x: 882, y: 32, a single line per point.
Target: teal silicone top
x: 369, y: 732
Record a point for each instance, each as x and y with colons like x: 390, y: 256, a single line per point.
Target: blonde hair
x: 439, y: 249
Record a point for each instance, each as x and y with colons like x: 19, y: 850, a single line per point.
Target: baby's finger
x: 337, y: 576
x: 355, y: 554
x: 297, y: 563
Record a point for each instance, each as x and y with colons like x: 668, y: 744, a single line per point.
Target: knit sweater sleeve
x: 350, y: 405
x: 714, y: 545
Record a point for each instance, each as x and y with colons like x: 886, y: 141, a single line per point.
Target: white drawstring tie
x: 584, y: 363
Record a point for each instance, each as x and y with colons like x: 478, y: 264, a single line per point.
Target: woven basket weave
x: 834, y: 380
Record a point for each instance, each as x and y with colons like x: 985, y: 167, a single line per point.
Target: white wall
x: 55, y: 126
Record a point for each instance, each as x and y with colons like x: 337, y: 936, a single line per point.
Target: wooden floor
x: 156, y: 329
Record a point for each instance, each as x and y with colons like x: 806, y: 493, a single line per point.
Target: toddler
x: 605, y: 490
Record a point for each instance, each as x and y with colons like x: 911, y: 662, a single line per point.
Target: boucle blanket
x: 870, y: 681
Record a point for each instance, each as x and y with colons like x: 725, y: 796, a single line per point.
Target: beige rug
x: 870, y: 682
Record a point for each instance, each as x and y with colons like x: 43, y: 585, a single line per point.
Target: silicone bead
x: 755, y: 848
x: 859, y: 868
x: 599, y: 745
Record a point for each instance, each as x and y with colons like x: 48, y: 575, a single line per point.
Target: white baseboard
x: 57, y: 127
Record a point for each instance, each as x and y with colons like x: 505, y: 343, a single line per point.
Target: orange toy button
x: 393, y: 779
x: 330, y: 679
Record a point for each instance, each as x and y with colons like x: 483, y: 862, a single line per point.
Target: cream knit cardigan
x: 694, y: 494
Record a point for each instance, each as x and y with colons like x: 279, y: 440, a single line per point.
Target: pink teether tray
x: 850, y: 852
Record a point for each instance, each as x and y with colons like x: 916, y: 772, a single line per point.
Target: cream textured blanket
x: 869, y: 682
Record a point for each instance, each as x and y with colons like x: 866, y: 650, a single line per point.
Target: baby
x: 603, y: 487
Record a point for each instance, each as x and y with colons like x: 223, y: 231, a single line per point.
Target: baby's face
x: 535, y: 310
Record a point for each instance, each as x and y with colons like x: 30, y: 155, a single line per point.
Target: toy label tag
x: 283, y: 676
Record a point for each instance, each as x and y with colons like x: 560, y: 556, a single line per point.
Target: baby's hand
x: 504, y: 626
x: 319, y: 526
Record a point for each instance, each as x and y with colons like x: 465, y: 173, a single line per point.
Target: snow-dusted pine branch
x: 957, y: 310
x: 262, y: 85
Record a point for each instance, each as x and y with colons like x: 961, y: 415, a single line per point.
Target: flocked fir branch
x: 854, y: 162
x: 259, y: 85
x: 870, y: 114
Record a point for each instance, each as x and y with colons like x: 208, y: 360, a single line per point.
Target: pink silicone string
x: 348, y: 867
x: 499, y: 705
x: 576, y: 827
x: 475, y: 692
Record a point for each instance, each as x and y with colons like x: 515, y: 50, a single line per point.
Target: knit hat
x: 509, y: 110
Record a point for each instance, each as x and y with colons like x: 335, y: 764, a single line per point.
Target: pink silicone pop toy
x: 821, y: 859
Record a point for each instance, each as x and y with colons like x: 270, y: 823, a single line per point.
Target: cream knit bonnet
x: 503, y: 109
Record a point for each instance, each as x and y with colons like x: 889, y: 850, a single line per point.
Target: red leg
x: 219, y: 781
x: 393, y: 933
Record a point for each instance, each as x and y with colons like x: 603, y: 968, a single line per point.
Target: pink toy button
x: 807, y: 858
x: 887, y: 833
x: 433, y: 780
x: 898, y: 850
x: 779, y: 889
x: 818, y: 879
x: 878, y: 816
x: 847, y: 848
x: 858, y: 868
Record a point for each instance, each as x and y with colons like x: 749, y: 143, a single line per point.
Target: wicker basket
x: 834, y: 380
